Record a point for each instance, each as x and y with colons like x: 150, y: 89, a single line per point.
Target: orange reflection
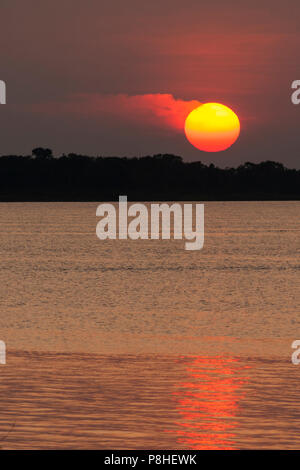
x: 208, y: 403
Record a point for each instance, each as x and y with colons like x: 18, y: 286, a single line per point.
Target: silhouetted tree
x: 42, y: 153
x: 74, y: 177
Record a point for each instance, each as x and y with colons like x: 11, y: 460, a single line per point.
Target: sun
x: 212, y: 127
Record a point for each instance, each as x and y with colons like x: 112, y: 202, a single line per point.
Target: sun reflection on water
x: 208, y: 401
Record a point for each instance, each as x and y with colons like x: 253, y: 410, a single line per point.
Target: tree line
x: 43, y: 177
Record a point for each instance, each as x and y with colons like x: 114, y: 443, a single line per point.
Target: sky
x: 118, y: 78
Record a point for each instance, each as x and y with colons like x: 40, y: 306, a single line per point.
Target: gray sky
x: 106, y: 77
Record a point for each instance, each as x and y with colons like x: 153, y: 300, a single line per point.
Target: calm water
x: 141, y: 344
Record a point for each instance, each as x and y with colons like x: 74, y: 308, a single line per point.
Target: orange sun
x: 212, y: 127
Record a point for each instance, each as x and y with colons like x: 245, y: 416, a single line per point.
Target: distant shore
x: 43, y: 177
x: 143, y: 199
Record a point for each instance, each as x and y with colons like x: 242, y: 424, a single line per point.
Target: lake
x: 123, y: 344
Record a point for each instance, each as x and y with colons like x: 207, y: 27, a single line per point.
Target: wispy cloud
x: 158, y: 110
